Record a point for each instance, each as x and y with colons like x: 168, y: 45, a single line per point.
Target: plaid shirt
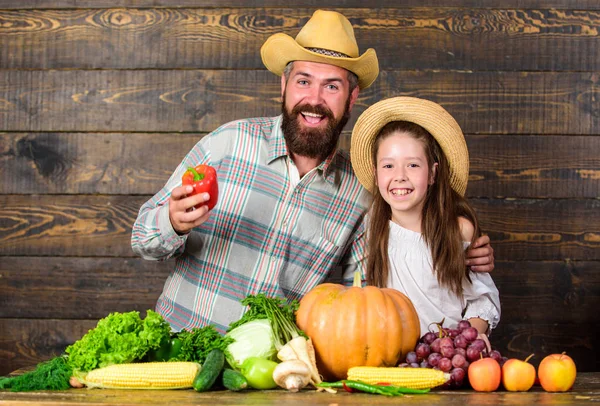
x: 264, y: 235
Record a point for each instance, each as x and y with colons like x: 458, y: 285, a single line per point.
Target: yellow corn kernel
x: 143, y: 375
x: 413, y: 378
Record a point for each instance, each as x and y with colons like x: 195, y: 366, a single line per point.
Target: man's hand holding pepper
x: 182, y: 217
x: 191, y: 202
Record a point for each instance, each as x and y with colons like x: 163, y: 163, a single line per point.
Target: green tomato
x: 259, y: 372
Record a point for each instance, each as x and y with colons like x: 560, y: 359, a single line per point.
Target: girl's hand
x: 482, y: 326
x: 485, y: 338
x: 480, y: 256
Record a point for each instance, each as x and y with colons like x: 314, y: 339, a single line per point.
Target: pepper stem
x: 197, y: 176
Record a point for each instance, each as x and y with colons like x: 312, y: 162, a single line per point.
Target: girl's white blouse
x: 411, y: 272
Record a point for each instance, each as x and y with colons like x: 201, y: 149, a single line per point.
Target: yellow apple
x: 517, y: 375
x: 557, y: 373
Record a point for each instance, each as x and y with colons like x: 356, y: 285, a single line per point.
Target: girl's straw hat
x: 328, y: 37
x: 429, y: 115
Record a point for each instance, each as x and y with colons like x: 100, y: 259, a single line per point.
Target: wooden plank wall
x: 99, y: 101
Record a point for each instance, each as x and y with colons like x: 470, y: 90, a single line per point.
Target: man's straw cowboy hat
x: 328, y: 38
x: 429, y: 115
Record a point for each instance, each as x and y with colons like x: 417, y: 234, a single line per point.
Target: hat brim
x: 280, y: 49
x: 429, y: 115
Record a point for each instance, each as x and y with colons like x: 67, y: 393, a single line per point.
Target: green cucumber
x: 233, y: 380
x: 212, y: 367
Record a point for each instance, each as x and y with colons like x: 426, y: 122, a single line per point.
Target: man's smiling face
x: 316, y: 106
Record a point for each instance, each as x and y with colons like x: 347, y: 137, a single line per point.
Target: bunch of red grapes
x: 452, y: 351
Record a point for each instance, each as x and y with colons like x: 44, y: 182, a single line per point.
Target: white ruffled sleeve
x: 483, y: 299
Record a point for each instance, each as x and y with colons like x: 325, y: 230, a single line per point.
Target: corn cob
x: 413, y: 378
x: 143, y: 375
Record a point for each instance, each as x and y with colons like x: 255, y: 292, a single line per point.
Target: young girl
x: 412, y: 155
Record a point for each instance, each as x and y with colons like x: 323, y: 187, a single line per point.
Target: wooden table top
x: 586, y: 391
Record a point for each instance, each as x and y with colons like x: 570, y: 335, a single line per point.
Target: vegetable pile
x: 266, y: 330
x: 263, y: 350
x: 117, y: 339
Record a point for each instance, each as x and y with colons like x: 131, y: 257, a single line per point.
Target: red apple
x: 517, y: 375
x: 484, y: 375
x: 557, y: 373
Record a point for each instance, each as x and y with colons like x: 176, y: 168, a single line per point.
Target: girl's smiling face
x: 402, y: 175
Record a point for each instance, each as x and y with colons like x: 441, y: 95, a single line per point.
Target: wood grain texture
x: 548, y: 292
x: 534, y: 166
x: 139, y: 164
x: 99, y: 225
x: 529, y: 229
x: 77, y: 225
x: 26, y: 342
x: 152, y: 100
x: 585, y: 391
x: 78, y: 288
x: 549, y: 103
x: 217, y: 38
x: 89, y: 163
x: 577, y: 340
x: 75, y: 4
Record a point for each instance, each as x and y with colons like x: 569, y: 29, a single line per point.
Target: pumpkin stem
x: 357, y: 280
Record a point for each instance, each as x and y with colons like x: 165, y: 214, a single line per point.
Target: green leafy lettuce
x: 118, y: 338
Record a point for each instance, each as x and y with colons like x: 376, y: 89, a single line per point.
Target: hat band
x: 327, y: 52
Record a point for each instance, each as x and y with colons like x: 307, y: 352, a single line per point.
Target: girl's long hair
x: 439, y: 221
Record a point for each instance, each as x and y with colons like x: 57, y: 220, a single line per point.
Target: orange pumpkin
x: 355, y: 326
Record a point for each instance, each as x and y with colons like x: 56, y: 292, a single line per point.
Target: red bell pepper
x: 203, y: 178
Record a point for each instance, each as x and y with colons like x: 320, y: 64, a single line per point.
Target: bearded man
x: 290, y: 210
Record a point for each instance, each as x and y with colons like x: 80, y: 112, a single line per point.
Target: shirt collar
x: 278, y: 149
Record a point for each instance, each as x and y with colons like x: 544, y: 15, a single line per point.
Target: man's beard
x: 312, y: 142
